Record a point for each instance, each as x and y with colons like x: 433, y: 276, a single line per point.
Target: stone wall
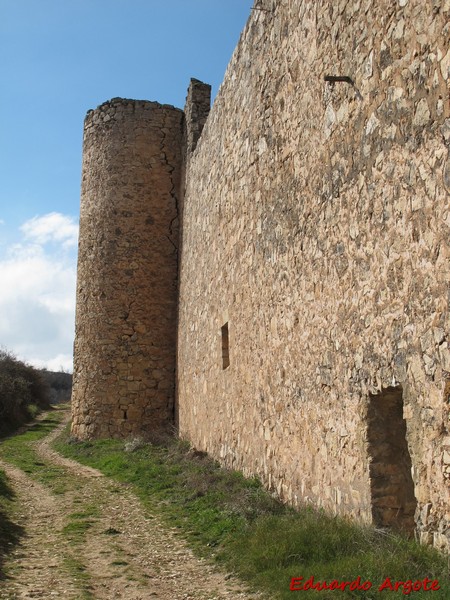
x: 124, y: 364
x: 196, y: 111
x: 316, y: 259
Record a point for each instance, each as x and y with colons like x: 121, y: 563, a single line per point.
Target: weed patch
x: 235, y: 521
x: 79, y: 523
x: 81, y: 576
x: 75, y: 530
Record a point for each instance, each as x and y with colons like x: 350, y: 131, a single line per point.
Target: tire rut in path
x: 126, y: 552
x: 37, y: 566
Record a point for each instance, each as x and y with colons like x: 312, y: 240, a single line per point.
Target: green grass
x: 226, y: 516
x: 78, y: 571
x: 80, y: 522
x: 75, y: 530
x: 241, y: 526
x: 9, y: 427
x: 18, y: 450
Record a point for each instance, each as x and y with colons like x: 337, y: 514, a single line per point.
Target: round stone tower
x: 125, y: 339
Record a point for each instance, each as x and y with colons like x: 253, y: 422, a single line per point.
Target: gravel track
x: 124, y: 551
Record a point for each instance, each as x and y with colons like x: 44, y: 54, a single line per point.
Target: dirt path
x: 94, y: 541
x: 37, y: 565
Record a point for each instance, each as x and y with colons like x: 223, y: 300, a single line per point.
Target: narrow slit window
x: 225, y: 347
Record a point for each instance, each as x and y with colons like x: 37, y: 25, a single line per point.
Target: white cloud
x: 53, y: 227
x: 61, y: 362
x: 37, y: 292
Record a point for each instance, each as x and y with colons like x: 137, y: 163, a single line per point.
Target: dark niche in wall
x: 225, y: 347
x: 391, y: 483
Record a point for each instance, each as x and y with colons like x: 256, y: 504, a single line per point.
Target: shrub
x: 60, y: 384
x: 23, y: 392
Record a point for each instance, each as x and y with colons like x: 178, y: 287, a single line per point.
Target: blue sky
x: 59, y: 59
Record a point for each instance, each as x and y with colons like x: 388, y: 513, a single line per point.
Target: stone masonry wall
x: 196, y: 111
x: 124, y: 364
x: 316, y: 254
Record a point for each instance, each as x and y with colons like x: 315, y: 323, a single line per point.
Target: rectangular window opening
x: 225, y: 347
x: 391, y: 483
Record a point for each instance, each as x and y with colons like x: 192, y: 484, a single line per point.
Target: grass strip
x: 233, y: 519
x: 18, y: 450
x: 79, y: 573
x: 11, y: 450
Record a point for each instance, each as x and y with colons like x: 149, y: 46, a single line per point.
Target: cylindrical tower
x: 125, y: 339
